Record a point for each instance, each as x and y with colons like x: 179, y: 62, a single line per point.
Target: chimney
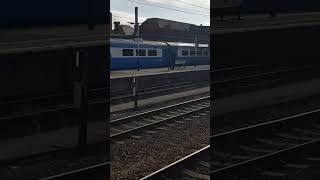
x: 110, y: 22
x: 136, y: 23
x: 116, y: 27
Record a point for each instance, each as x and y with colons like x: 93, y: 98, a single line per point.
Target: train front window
x: 185, y: 53
x: 127, y: 52
x: 141, y: 52
x: 152, y: 53
x: 192, y: 53
x: 199, y: 53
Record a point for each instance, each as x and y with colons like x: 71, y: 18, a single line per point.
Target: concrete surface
x: 156, y: 71
x: 266, y: 97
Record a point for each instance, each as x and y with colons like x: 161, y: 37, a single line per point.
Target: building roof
x: 127, y: 30
x: 175, y: 25
x: 155, y: 43
x: 183, y: 44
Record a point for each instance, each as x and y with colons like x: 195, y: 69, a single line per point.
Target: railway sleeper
x: 241, y: 157
x: 219, y: 165
x: 273, y: 174
x: 166, y: 115
x: 307, y: 132
x: 314, y: 159
x: 151, y: 132
x: 150, y: 120
x: 205, y: 164
x: 297, y: 166
x: 181, y: 111
x: 274, y: 143
x: 170, y: 125
x: 257, y: 150
x: 138, y: 123
x: 290, y: 136
x: 194, y: 174
x: 187, y: 119
x: 127, y: 126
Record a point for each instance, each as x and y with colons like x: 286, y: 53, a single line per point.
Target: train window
x: 205, y: 53
x: 185, y: 53
x: 127, y: 52
x: 152, y: 53
x: 141, y: 52
x: 199, y: 53
x: 192, y: 53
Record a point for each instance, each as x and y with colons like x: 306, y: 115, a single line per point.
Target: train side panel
x: 127, y: 54
x: 190, y: 55
x: 131, y: 55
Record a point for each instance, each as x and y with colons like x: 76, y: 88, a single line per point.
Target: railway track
x: 158, y: 117
x: 24, y: 104
x: 226, y: 85
x: 97, y: 172
x: 131, y: 125
x: 121, y: 128
x: 55, y: 165
x: 97, y: 95
x: 228, y: 80
x: 234, y: 71
x: 263, y: 80
x: 156, y: 91
x: 299, y: 163
x: 193, y: 166
x: 244, y: 152
x: 41, y: 99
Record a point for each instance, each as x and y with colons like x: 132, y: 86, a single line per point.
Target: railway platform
x: 159, y: 99
x: 156, y: 71
x: 267, y: 97
x: 240, y: 101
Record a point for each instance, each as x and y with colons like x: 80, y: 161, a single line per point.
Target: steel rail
x: 176, y: 166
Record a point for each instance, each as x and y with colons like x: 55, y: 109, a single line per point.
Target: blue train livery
x: 139, y: 54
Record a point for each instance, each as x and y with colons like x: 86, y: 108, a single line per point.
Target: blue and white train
x: 133, y: 54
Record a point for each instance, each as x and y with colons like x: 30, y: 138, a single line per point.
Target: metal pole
x: 273, y: 8
x: 81, y: 96
x: 138, y: 60
x: 91, y: 14
x: 136, y: 23
x: 135, y: 92
x: 109, y: 23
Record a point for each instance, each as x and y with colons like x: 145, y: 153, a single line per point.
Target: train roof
x: 183, y: 44
x: 131, y: 41
x: 155, y: 43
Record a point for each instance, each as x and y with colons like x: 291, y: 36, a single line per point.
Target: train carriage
x: 132, y: 54
x: 129, y: 54
x: 187, y: 54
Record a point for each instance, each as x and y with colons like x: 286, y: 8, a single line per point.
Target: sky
x: 189, y: 11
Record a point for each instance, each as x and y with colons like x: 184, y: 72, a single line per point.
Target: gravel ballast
x: 254, y: 116
x: 145, y: 153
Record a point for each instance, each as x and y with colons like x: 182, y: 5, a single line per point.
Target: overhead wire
x: 166, y: 7
x: 170, y: 6
x: 191, y: 4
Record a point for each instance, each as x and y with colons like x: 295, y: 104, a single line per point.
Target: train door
x: 170, y: 57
